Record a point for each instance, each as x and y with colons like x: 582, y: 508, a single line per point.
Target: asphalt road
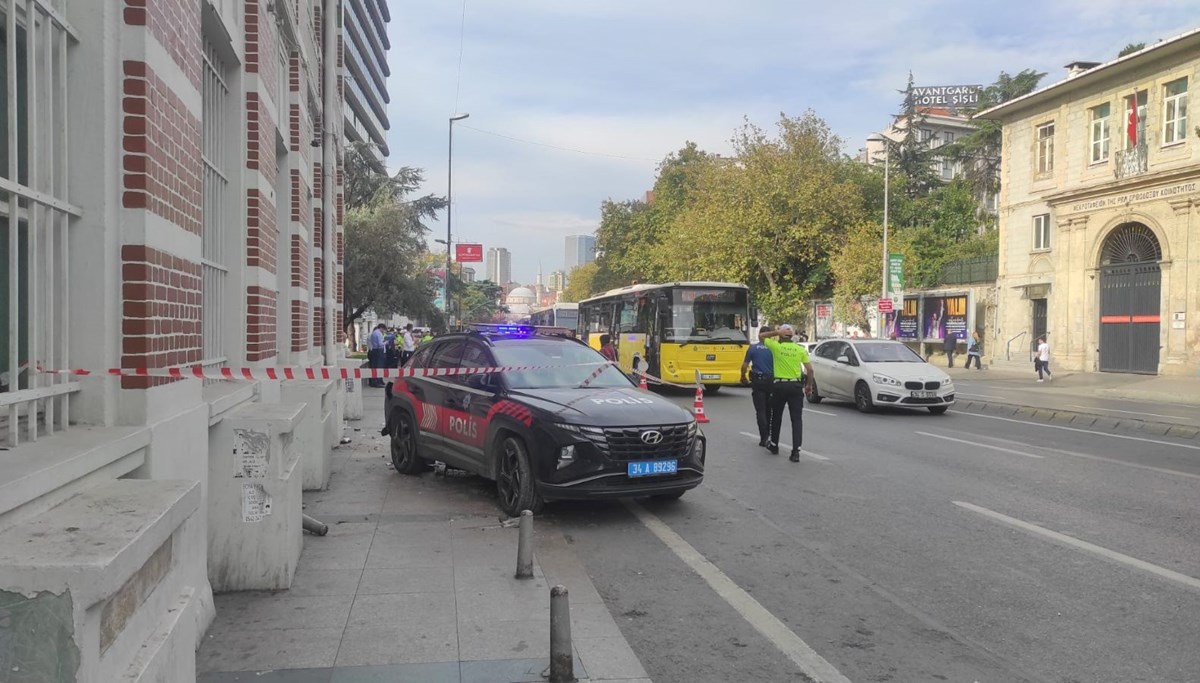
x: 962, y: 547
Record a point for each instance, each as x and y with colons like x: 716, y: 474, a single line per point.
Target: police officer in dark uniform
x: 760, y: 365
x: 793, y: 379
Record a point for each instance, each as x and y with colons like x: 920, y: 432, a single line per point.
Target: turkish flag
x: 1131, y: 128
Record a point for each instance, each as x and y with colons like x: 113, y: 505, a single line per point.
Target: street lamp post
x: 883, y: 292
x: 449, y: 204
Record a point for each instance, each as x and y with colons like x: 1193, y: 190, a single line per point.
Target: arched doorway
x: 1130, y: 282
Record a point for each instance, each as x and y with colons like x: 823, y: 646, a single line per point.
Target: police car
x: 570, y: 428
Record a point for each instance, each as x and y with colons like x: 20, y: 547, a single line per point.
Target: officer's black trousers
x: 760, y: 393
x: 791, y: 396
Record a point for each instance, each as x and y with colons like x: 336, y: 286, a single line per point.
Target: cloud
x: 636, y: 79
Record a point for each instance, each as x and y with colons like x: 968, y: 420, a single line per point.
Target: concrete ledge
x: 1083, y: 420
x: 317, y: 434
x: 54, y: 468
x: 97, y: 540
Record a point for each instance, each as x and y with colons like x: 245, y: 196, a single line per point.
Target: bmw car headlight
x: 947, y: 383
x: 884, y: 379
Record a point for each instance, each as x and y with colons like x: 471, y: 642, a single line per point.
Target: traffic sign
x: 885, y: 305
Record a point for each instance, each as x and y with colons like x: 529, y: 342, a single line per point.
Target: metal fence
x: 970, y: 271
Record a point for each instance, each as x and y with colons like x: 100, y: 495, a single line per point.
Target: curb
x: 1079, y: 419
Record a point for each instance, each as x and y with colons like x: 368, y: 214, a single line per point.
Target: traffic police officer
x: 789, y: 387
x: 760, y: 364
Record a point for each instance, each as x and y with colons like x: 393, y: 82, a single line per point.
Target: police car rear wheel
x: 405, y: 451
x: 514, y: 480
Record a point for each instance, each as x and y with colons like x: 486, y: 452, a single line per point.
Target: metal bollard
x: 562, y: 662
x: 314, y: 526
x: 525, y: 546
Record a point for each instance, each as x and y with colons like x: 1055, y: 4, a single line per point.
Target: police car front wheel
x: 405, y: 449
x: 515, y: 486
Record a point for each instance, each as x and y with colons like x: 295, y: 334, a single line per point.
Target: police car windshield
x: 575, y: 363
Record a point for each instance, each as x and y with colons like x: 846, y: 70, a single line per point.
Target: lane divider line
x: 810, y: 663
x: 1072, y: 542
x: 1127, y: 412
x: 981, y: 445
x: 788, y: 446
x: 1082, y: 431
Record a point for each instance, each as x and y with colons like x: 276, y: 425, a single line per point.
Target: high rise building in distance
x: 366, y: 72
x: 558, y: 281
x: 499, y: 265
x: 581, y: 249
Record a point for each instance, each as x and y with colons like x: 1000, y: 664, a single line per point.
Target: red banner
x: 468, y: 253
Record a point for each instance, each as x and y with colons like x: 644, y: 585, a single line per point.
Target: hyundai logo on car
x: 652, y: 438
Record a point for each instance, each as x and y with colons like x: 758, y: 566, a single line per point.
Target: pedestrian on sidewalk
x: 407, y: 344
x: 948, y: 345
x: 1042, y: 362
x: 759, y: 365
x: 793, y: 375
x: 376, y: 353
x: 975, y: 350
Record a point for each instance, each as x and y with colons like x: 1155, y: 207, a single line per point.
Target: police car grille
x: 626, y: 443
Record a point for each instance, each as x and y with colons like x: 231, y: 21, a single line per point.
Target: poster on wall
x: 824, y: 321
x: 945, y: 315
x: 908, y: 321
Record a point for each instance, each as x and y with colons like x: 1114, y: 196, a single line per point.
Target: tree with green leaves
x: 1131, y: 48
x: 477, y: 301
x: 581, y: 283
x: 385, y: 240
x: 912, y: 156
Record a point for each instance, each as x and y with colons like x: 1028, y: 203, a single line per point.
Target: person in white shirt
x: 408, y: 344
x: 1042, y: 362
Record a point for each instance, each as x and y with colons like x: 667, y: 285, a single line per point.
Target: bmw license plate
x: 924, y: 394
x: 710, y: 376
x: 645, y: 468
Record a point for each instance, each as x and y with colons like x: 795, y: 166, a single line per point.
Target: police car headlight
x: 566, y: 456
x: 566, y: 427
x: 884, y: 379
x: 692, y: 428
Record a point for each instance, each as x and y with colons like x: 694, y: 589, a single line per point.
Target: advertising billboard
x: 908, y: 321
x: 438, y: 275
x: 468, y: 253
x: 945, y: 315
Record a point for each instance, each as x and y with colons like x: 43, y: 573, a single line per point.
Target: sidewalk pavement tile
x: 279, y: 676
x: 257, y: 611
x: 440, y: 672
x: 309, y: 582
x: 379, y: 581
x: 512, y: 671
x: 425, y: 608
x: 402, y: 642
x: 300, y: 648
x: 607, y: 658
x: 491, y: 639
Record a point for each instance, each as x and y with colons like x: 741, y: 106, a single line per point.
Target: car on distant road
x: 565, y: 430
x: 878, y: 372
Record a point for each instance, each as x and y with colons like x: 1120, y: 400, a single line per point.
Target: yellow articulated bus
x: 674, y: 330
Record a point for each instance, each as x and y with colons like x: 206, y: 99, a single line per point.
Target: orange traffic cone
x: 698, y: 407
x: 642, y: 382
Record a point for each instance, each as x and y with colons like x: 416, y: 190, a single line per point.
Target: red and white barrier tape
x: 659, y: 380
x: 321, y: 372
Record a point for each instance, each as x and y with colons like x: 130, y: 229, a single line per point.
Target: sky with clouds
x: 625, y: 82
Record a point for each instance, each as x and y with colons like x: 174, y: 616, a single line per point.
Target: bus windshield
x: 708, y: 315
x: 568, y: 318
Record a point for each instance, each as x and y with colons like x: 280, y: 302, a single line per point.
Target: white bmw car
x: 878, y: 372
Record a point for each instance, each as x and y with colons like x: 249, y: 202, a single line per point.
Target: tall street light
x: 883, y: 292
x: 449, y: 204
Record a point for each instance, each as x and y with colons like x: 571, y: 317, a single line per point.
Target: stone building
x: 1100, y: 214
x: 170, y: 199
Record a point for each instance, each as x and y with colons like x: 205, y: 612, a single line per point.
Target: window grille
x: 36, y: 217
x: 214, y: 153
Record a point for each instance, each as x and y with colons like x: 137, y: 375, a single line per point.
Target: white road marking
x: 1114, y: 461
x: 1107, y: 554
x: 812, y: 664
x: 788, y: 446
x: 981, y: 445
x: 1127, y: 412
x: 1082, y: 431
x: 820, y: 412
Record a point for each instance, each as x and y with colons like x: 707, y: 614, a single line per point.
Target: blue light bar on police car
x: 503, y: 329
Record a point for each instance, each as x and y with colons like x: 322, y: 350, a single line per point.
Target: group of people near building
x: 391, y: 348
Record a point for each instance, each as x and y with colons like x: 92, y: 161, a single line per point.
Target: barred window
x: 36, y: 215
x: 216, y: 127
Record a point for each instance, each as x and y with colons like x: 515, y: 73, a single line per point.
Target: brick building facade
x: 162, y: 204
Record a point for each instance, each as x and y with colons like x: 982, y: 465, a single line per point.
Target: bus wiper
x: 711, y: 340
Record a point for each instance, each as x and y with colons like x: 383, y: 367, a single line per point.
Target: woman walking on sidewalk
x: 974, y: 350
x: 1042, y: 362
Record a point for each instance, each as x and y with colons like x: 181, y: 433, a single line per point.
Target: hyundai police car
x: 570, y: 428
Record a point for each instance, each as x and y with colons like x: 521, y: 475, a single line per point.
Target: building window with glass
x: 1175, y: 111
x: 1045, y: 148
x: 1041, y: 232
x: 1099, y: 138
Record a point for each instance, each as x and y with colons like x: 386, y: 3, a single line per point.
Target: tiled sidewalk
x: 413, y: 583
